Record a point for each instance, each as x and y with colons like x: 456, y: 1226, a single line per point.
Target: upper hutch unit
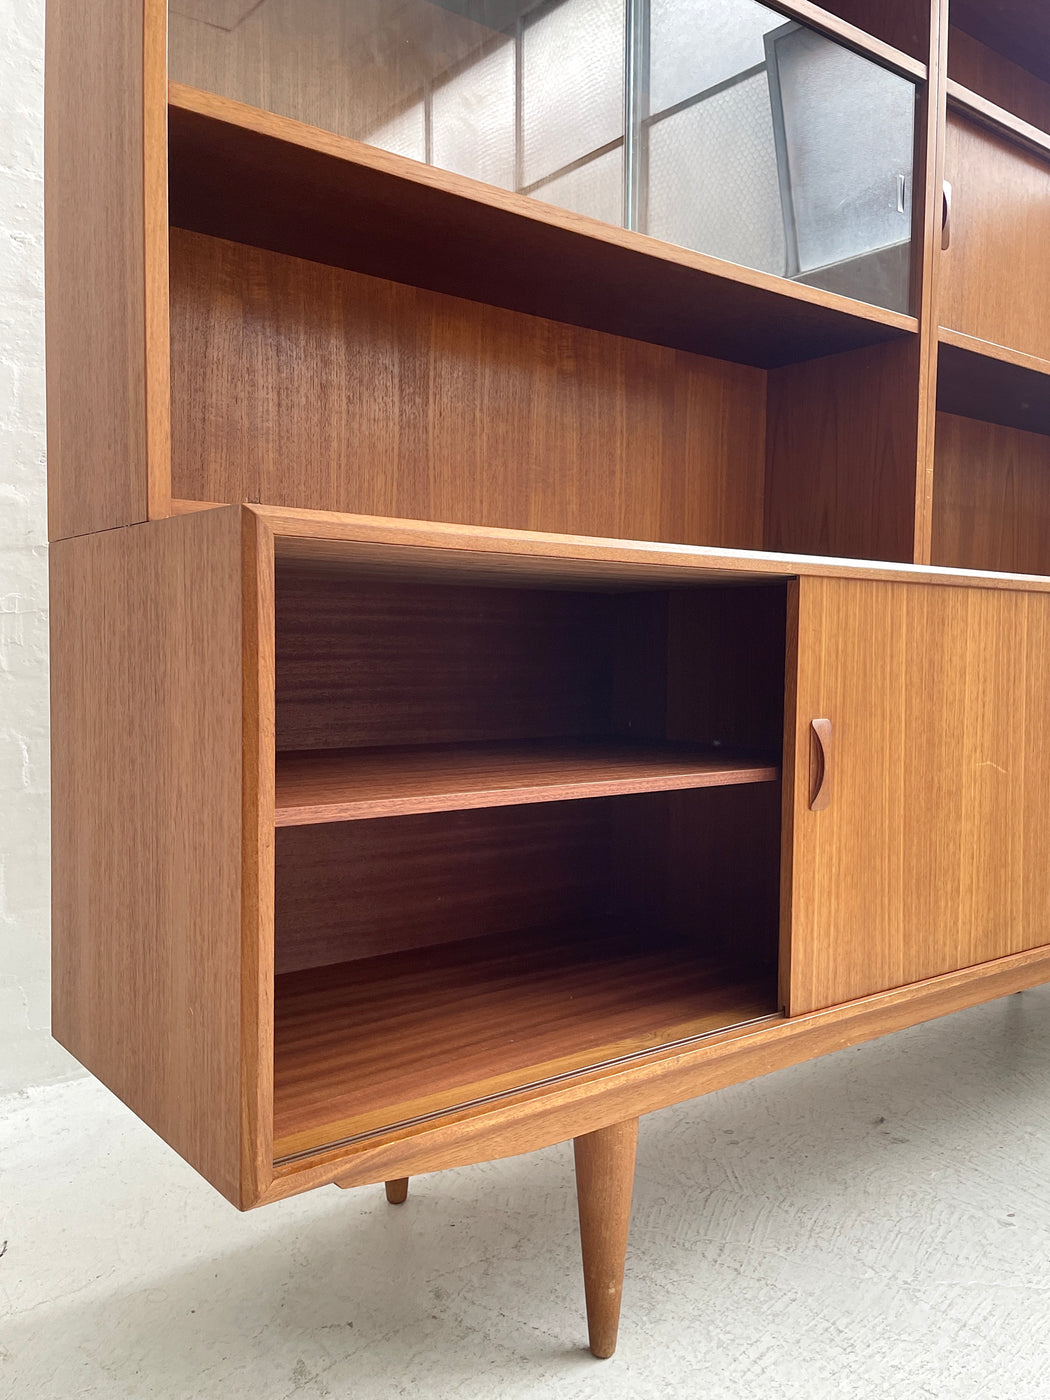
x: 551, y: 566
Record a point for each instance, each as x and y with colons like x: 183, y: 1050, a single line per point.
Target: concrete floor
x: 875, y: 1224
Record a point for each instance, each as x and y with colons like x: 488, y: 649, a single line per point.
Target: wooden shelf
x: 977, y: 379
x: 358, y: 784
x: 989, y: 114
x: 369, y: 1045
x: 243, y: 174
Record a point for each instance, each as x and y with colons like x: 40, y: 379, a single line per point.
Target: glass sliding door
x: 718, y: 125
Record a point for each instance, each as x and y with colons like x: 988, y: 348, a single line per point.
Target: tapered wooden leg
x: 397, y: 1191
x: 604, y: 1183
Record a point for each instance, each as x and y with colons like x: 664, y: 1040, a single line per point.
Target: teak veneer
x: 357, y: 784
x: 511, y: 674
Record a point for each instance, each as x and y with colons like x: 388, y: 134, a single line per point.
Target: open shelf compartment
x: 991, y: 495
x: 521, y: 944
x: 524, y: 830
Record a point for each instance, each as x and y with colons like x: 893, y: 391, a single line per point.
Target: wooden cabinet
x: 927, y: 855
x: 512, y: 672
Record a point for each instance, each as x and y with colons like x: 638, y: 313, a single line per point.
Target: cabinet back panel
x: 841, y: 452
x: 365, y: 664
x: 357, y: 889
x: 1001, y: 81
x: 698, y: 867
x: 725, y: 666
x: 991, y: 502
x: 303, y: 385
x: 704, y: 867
x: 1016, y: 28
x: 903, y: 23
x: 993, y: 282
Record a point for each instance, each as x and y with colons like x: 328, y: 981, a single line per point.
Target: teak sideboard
x: 525, y: 650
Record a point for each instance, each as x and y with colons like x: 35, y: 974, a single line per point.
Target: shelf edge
x: 1001, y: 121
x: 309, y: 814
x: 257, y: 121
x: 1002, y: 354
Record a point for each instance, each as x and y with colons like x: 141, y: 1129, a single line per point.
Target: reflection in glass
x: 722, y: 126
x: 713, y: 181
x: 847, y: 132
x: 595, y: 188
x: 572, y: 83
x: 695, y: 44
x: 473, y: 120
x: 404, y: 134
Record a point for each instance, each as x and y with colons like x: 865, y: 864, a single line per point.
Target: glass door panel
x: 717, y: 125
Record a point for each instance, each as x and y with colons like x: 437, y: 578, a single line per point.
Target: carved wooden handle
x: 946, y: 216
x: 822, y: 791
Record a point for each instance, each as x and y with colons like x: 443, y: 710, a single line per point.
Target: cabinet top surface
x: 454, y: 553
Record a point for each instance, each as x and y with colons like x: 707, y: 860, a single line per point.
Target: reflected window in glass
x: 718, y: 125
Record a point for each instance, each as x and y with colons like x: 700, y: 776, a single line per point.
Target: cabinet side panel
x: 106, y: 259
x: 146, y: 718
x: 924, y: 860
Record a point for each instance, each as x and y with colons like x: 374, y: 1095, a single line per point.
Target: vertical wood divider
x: 604, y: 1186
x: 257, y: 865
x: 929, y: 275
x: 155, y: 235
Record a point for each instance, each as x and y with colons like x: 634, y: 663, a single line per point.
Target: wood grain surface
x: 992, y: 503
x: 701, y: 864
x: 246, y: 175
x: 257, y: 854
x: 998, y: 79
x: 993, y: 285
x: 364, y: 395
x: 902, y: 24
x: 1016, y: 29
x: 351, y: 890
x: 927, y: 264
x: 929, y: 857
x: 371, y: 1044
x: 344, y: 545
x: 993, y: 383
x: 356, y: 784
x: 971, y: 106
x: 841, y: 447
x: 537, y: 1118
x: 106, y: 263
x: 147, y: 695
x: 367, y: 663
x: 604, y: 1186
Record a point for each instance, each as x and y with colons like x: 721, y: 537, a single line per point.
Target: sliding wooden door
x: 918, y: 782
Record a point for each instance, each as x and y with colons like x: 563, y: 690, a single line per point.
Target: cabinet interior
x: 1001, y: 52
x: 991, y: 505
x: 376, y: 397
x: 500, y: 926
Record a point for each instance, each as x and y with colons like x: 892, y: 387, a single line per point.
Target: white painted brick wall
x: 27, y: 1054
